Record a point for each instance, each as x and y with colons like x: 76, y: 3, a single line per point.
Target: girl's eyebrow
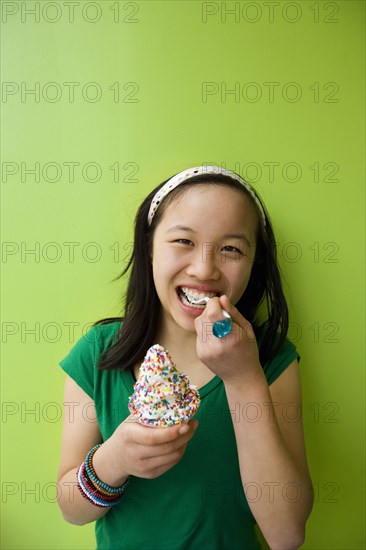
x: 181, y: 228
x: 239, y: 236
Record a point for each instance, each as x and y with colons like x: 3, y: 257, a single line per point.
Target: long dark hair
x: 141, y: 303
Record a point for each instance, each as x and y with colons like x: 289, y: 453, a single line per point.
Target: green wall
x: 126, y: 94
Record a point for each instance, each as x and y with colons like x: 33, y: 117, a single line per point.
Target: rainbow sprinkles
x: 163, y: 396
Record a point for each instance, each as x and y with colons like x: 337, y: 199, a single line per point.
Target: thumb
x: 231, y: 309
x: 245, y: 326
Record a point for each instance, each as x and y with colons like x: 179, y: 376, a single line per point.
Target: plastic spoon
x: 206, y: 299
x: 220, y: 328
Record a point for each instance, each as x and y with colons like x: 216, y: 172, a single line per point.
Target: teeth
x: 193, y: 294
x: 186, y: 302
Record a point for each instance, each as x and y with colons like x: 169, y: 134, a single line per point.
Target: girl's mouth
x: 187, y: 294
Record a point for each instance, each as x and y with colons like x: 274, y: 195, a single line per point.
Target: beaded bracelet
x: 87, y: 485
x: 93, y: 476
x: 87, y: 495
x: 93, y: 495
x: 93, y: 489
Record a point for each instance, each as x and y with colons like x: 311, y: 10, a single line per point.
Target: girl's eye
x: 229, y: 248
x: 183, y: 241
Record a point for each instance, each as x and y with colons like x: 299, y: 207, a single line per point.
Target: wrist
x: 104, y: 468
x: 249, y: 379
x: 93, y: 489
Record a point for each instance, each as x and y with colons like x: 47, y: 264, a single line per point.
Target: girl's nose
x: 204, y: 262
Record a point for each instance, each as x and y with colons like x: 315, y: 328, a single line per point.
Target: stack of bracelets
x: 92, y: 489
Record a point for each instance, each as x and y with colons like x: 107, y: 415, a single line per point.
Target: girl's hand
x: 234, y: 357
x: 142, y: 451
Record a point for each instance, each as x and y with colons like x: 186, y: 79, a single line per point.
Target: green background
x: 299, y: 140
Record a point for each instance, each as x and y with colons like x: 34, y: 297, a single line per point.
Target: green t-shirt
x: 200, y: 503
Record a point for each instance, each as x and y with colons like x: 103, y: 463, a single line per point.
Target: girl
x: 202, y: 234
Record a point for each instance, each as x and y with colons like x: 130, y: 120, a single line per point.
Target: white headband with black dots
x: 196, y: 171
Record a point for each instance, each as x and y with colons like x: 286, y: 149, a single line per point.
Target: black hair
x: 141, y: 303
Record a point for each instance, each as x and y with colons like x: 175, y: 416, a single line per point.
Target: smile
x: 187, y: 294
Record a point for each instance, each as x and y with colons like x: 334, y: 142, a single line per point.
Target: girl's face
x: 204, y: 245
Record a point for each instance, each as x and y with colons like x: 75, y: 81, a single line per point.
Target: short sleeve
x: 283, y: 359
x: 80, y: 363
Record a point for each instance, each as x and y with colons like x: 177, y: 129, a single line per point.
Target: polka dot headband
x: 196, y: 171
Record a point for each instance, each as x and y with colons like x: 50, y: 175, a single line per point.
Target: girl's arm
x: 131, y: 450
x: 80, y: 434
x: 269, y: 432
x: 272, y: 455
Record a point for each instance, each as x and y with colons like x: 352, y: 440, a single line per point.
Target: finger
x: 148, y: 435
x: 165, y: 449
x: 162, y: 452
x: 231, y: 309
x: 244, y: 326
x: 173, y: 445
x: 213, y: 310
x: 155, y: 467
x: 170, y: 453
x: 131, y: 418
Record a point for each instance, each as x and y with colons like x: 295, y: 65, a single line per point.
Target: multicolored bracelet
x: 93, y: 489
